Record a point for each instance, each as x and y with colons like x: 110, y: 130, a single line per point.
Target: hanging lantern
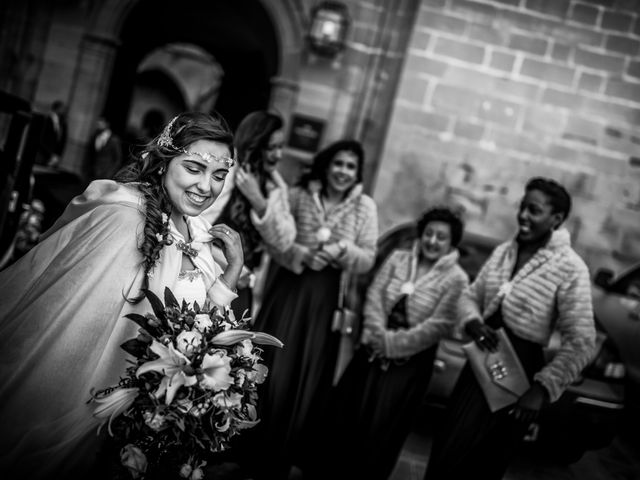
x: 329, y: 25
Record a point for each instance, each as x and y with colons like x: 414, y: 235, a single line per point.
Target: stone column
x: 91, y: 80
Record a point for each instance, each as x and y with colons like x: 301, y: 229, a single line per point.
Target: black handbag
x: 345, y: 320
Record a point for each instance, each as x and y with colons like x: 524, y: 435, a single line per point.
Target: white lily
x: 258, y: 373
x: 112, y: 405
x: 216, y: 369
x: 172, y: 364
x: 235, y: 336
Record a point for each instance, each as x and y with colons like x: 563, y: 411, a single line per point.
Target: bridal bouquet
x: 190, y: 388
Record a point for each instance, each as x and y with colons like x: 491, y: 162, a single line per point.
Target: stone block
x: 487, y: 34
x: 599, y: 61
x: 590, y: 82
x: 529, y: 44
x: 606, y: 109
x: 547, y: 71
x: 425, y: 64
x: 622, y: 44
x: 475, y: 10
x: 420, y: 119
x: 456, y: 99
x: 464, y: 51
x: 576, y: 35
x: 562, y: 98
x: 621, y: 139
x: 581, y: 129
x: 502, y: 61
x: 413, y: 89
x: 634, y: 69
x: 499, y: 111
x: 618, y: 21
x: 463, y: 77
x: 528, y: 20
x: 621, y: 89
x: 420, y: 40
x: 554, y: 8
x: 545, y: 119
x: 518, y: 90
x: 560, y: 52
x: 586, y: 14
x: 513, y: 3
x: 442, y: 22
x: 468, y: 130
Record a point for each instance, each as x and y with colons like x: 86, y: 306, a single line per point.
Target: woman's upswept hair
x: 323, y: 159
x: 445, y: 215
x: 252, y: 140
x: 146, y: 170
x: 559, y: 198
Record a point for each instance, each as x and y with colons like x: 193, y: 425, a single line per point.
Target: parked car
x: 588, y: 413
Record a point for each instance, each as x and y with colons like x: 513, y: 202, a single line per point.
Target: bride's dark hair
x: 147, y: 172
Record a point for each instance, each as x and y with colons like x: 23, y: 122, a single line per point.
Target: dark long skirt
x: 242, y: 303
x: 473, y: 442
x: 298, y: 310
x: 369, y: 416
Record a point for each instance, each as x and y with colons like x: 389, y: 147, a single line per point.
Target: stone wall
x: 494, y: 92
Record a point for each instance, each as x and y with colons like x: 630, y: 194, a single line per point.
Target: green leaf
x: 156, y: 305
x: 169, y: 298
x: 144, y: 323
x: 135, y: 347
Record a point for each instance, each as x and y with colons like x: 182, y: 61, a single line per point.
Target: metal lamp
x: 328, y: 31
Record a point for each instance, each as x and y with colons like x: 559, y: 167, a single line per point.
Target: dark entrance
x: 238, y: 34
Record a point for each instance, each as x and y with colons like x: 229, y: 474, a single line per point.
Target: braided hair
x: 147, y: 172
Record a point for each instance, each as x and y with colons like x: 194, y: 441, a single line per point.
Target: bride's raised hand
x: 231, y: 246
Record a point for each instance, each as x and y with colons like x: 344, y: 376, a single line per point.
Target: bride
x: 63, y: 303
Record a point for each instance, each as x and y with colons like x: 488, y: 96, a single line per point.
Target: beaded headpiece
x: 165, y: 140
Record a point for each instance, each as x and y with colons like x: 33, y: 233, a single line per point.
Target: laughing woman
x: 410, y: 306
x: 63, y: 303
x: 337, y: 229
x: 258, y: 206
x: 529, y: 286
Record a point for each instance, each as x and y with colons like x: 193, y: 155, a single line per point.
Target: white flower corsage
x: 505, y: 289
x: 407, y: 288
x: 323, y: 234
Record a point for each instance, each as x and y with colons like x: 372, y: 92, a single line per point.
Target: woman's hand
x: 373, y: 337
x: 528, y: 407
x: 485, y: 337
x: 232, y: 249
x: 330, y: 251
x: 249, y: 187
x: 316, y: 260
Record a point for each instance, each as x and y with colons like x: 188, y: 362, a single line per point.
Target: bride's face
x: 194, y: 180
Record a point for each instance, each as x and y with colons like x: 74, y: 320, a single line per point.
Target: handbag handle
x: 344, y: 285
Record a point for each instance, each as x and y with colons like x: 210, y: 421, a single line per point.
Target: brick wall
x: 493, y: 92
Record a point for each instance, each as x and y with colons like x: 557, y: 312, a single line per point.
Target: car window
x: 628, y: 284
x: 633, y: 289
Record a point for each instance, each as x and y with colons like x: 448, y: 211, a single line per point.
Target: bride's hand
x: 232, y: 249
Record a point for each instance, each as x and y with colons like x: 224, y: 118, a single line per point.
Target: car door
x: 617, y: 308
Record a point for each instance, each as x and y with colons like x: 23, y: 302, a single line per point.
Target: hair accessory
x: 165, y: 137
x: 165, y: 140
